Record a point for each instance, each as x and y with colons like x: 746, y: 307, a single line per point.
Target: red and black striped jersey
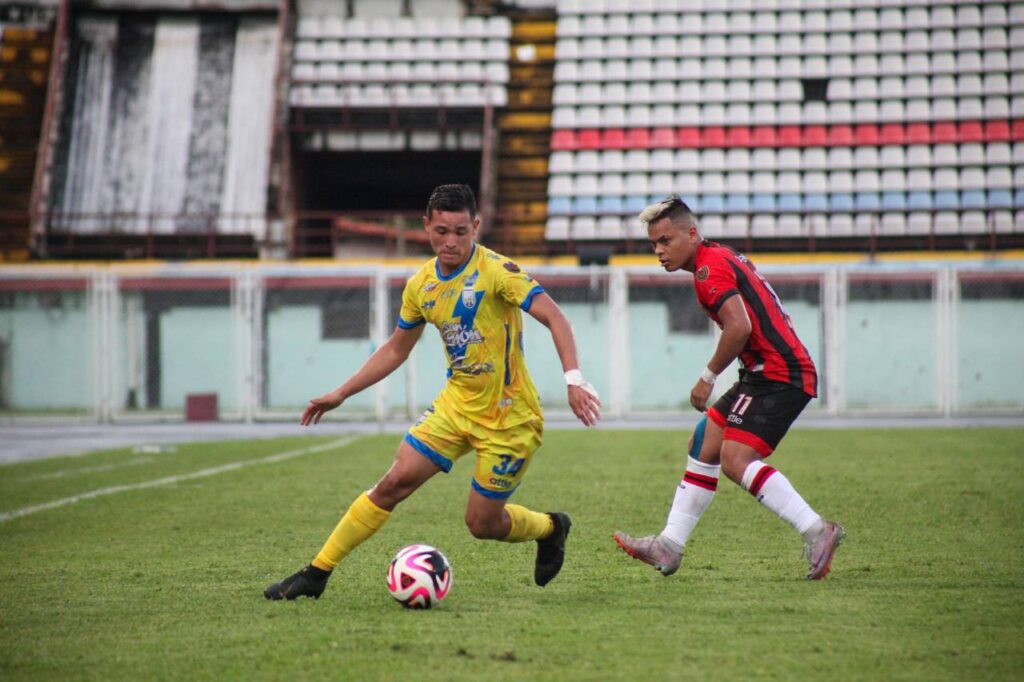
x: 773, y: 349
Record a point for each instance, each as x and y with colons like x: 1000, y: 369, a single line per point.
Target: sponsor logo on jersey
x: 457, y: 335
x: 473, y: 368
x: 500, y: 482
x: 427, y: 305
x: 427, y: 288
x: 447, y: 293
x: 734, y: 419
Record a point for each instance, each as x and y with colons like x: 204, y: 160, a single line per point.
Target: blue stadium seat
x: 635, y: 204
x: 1018, y: 197
x: 763, y: 203
x: 894, y: 201
x: 947, y: 199
x: 1000, y: 198
x: 610, y: 205
x: 841, y: 202
x: 737, y: 203
x: 584, y: 205
x: 974, y: 198
x: 791, y: 202
x: 712, y: 203
x: 815, y: 202
x: 867, y: 201
x: 559, y: 206
x: 919, y: 201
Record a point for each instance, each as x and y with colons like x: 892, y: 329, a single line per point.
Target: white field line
x: 60, y: 473
x: 168, y: 480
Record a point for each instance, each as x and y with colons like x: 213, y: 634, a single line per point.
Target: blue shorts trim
x: 528, y: 301
x: 409, y: 325
x: 440, y: 460
x: 493, y: 494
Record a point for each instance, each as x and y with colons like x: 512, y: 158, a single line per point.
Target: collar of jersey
x: 437, y: 267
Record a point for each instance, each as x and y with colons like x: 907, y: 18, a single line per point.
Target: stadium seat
x: 563, y: 139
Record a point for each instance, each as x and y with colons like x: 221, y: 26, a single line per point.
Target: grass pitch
x: 166, y: 582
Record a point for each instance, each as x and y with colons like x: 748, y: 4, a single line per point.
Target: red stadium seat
x: 997, y: 130
x: 613, y: 138
x: 589, y: 138
x: 944, y: 132
x: 764, y: 136
x: 892, y: 133
x: 714, y: 136
x: 790, y: 136
x: 1017, y: 130
x: 866, y: 134
x: 563, y: 140
x: 638, y: 138
x: 971, y: 131
x: 919, y: 133
x: 688, y: 137
x: 840, y: 136
x: 663, y: 138
x: 815, y: 136
x: 737, y: 136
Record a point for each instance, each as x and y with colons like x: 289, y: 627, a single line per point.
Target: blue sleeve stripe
x: 440, y: 460
x: 409, y: 325
x: 528, y: 301
x: 493, y: 494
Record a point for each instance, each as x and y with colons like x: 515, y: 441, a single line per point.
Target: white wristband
x: 708, y: 377
x: 574, y: 377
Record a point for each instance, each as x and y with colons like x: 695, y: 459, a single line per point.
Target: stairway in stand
x: 524, y: 136
x: 24, y: 68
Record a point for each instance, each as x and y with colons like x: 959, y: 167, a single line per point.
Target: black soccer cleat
x: 309, y: 582
x: 551, y: 550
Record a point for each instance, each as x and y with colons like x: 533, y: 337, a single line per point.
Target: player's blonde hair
x: 673, y: 208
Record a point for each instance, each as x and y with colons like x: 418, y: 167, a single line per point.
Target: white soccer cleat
x: 650, y: 550
x: 819, y: 552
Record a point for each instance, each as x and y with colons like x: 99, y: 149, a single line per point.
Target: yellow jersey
x: 477, y: 309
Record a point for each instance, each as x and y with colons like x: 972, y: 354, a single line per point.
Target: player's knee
x: 484, y: 527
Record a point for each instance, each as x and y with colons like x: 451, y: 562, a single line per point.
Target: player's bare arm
x: 383, y: 362
x: 584, y: 404
x: 735, y: 332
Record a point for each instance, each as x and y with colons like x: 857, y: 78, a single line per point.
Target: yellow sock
x: 362, y: 520
x: 527, y: 525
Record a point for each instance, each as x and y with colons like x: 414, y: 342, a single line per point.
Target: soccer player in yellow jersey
x: 474, y: 297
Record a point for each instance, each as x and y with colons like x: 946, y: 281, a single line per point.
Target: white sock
x: 774, y: 491
x: 693, y: 496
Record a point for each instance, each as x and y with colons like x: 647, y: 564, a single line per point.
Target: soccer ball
x: 419, y: 576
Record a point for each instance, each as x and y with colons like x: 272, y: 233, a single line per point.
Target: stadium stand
x: 909, y: 113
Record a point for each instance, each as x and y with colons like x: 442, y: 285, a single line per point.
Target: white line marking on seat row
x: 168, y: 480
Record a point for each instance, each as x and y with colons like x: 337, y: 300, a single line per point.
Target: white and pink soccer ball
x: 419, y: 576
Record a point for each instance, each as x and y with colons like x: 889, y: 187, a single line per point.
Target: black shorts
x: 758, y: 411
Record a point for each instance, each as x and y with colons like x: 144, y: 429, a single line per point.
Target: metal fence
x: 254, y: 342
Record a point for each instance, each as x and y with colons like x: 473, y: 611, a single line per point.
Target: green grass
x: 165, y: 583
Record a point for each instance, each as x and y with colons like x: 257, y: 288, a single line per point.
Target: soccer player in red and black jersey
x: 743, y: 427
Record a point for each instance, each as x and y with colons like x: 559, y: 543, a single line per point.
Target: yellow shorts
x: 502, y: 457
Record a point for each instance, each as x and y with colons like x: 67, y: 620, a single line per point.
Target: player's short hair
x: 673, y: 208
x: 452, y: 198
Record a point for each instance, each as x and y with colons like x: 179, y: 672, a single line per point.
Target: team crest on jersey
x: 510, y: 266
x: 702, y: 273
x: 469, y: 298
